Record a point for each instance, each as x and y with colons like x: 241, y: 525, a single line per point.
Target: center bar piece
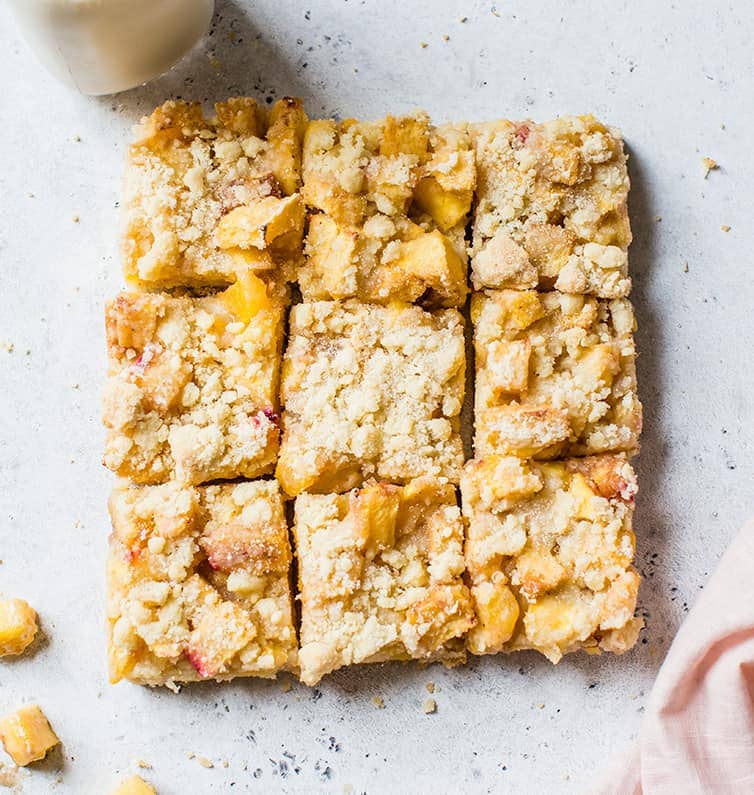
x: 370, y: 391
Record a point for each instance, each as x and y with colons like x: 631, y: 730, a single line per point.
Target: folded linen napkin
x: 698, y: 730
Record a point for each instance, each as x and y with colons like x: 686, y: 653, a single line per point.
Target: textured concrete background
x: 678, y: 79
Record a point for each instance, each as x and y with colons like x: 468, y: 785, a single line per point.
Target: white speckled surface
x: 670, y: 75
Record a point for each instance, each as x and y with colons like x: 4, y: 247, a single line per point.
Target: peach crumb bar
x: 380, y: 575
x: 192, y: 386
x: 555, y: 374
x: 370, y: 390
x: 391, y: 200
x: 549, y: 549
x: 551, y: 207
x: 205, y: 197
x: 198, y: 583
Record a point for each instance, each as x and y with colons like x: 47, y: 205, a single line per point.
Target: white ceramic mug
x: 104, y: 46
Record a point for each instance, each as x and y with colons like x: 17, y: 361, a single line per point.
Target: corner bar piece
x: 548, y: 551
x: 205, y: 198
x: 198, y: 583
x: 551, y: 207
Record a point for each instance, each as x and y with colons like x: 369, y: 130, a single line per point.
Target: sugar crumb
x: 429, y: 706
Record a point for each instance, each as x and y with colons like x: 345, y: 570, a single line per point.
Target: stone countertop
x: 678, y: 80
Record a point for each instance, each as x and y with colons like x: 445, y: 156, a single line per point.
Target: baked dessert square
x: 380, y: 576
x: 198, y: 583
x: 549, y: 549
x: 391, y: 200
x: 555, y: 374
x: 551, y: 207
x: 192, y: 386
x: 204, y: 198
x: 370, y: 391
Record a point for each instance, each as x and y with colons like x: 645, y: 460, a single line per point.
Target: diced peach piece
x: 18, y: 626
x: 432, y: 258
x: 134, y: 786
x: 27, y: 735
x: 246, y: 297
x: 447, y: 207
x: 497, y: 612
x: 508, y: 365
x: 260, y: 224
x: 375, y: 510
x: 405, y: 135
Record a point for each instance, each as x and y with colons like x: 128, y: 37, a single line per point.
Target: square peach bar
x: 393, y: 197
x: 551, y: 207
x: 555, y: 374
x: 192, y: 386
x: 380, y: 576
x: 549, y: 549
x: 198, y: 583
x: 207, y: 197
x: 370, y: 391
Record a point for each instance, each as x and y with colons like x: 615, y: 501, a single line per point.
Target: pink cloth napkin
x: 698, y: 731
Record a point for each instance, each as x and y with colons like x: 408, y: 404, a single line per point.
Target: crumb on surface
x: 423, y: 45
x: 204, y: 762
x: 7, y: 346
x: 709, y: 165
x: 430, y: 686
x: 144, y: 765
x: 685, y: 267
x: 429, y: 706
x: 378, y: 702
x: 76, y: 218
x: 725, y: 228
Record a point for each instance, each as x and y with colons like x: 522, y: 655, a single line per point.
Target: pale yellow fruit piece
x: 432, y: 258
x: 508, y: 365
x: 447, y: 207
x: 407, y: 135
x: 27, y: 736
x: 246, y: 297
x: 18, y: 626
x: 599, y: 364
x: 584, y: 496
x: 260, y: 224
x: 134, y: 786
x: 497, y: 612
x: 375, y: 512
